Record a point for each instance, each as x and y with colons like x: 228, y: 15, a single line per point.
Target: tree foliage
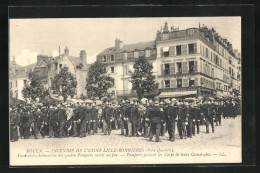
x: 35, y: 89
x: 142, y: 79
x: 64, y: 84
x: 98, y: 81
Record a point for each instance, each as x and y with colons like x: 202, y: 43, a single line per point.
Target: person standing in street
x: 156, y: 116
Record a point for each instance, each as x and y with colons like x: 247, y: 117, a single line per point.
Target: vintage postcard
x: 111, y: 91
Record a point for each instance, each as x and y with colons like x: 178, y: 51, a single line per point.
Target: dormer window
x: 136, y: 55
x: 125, y: 55
x: 112, y: 58
x: 104, y: 58
x: 147, y: 53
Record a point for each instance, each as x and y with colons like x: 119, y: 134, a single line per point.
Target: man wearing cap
x: 123, y: 111
x: 170, y: 114
x: 62, y: 118
x: 82, y: 121
x: 52, y: 121
x: 147, y: 122
x: 119, y: 117
x: 37, y: 124
x: 135, y: 118
x: 107, y: 117
x: 94, y: 119
x: 75, y: 120
x: 128, y: 117
x: 163, y: 125
x: 14, y: 121
x: 156, y: 116
x: 44, y: 122
x: 181, y: 117
x: 209, y: 114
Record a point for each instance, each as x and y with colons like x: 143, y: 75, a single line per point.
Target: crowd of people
x: 145, y: 118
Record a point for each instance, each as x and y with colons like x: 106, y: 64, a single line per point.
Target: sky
x: 30, y: 37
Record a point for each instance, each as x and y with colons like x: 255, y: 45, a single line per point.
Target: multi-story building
x: 18, y: 78
x: 47, y: 67
x: 120, y: 60
x: 192, y: 62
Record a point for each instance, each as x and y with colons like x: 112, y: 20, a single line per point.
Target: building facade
x: 47, y: 67
x: 194, y: 62
x: 119, y: 61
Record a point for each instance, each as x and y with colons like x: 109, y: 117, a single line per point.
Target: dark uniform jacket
x: 94, y: 114
x: 134, y: 114
x: 170, y: 113
x: 156, y: 115
x: 62, y: 115
x: 108, y: 113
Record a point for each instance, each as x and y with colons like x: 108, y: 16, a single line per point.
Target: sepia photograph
x: 125, y: 91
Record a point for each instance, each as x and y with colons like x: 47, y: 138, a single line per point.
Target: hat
x: 161, y: 103
x: 123, y: 101
x: 150, y: 101
x: 156, y: 102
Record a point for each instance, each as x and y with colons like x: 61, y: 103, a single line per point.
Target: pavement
x: 226, y: 140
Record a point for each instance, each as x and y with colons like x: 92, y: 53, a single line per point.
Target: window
x: 25, y: 82
x: 112, y: 69
x: 191, y: 48
x: 178, y: 49
x: 136, y: 55
x: 16, y: 94
x: 113, y: 82
x: 104, y: 59
x: 207, y: 53
x: 179, y: 69
x: 211, y: 56
x: 167, y: 83
x: 125, y: 55
x: 166, y: 69
x: 230, y: 70
x: 16, y: 83
x: 179, y: 83
x: 10, y: 84
x: 112, y: 58
x: 192, y: 82
x: 126, y: 69
x: 60, y: 66
x: 191, y: 32
x: 147, y: 53
x: 56, y: 66
x: 191, y: 66
x: 166, y: 52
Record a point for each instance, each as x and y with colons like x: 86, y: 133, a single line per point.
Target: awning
x: 177, y: 94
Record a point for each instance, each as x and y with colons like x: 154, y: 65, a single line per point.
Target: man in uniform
x: 82, y: 121
x: 128, y: 118
x: 181, y: 117
x: 108, y: 115
x: 14, y: 121
x: 135, y: 118
x: 62, y: 118
x: 75, y: 120
x: 52, y: 121
x: 170, y: 112
x: 123, y: 111
x: 88, y: 118
x: 44, y: 122
x: 163, y: 125
x: 156, y: 117
x: 147, y: 121
x: 209, y: 116
x: 94, y: 118
x: 119, y: 117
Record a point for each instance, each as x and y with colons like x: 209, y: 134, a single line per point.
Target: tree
x: 143, y: 79
x: 35, y: 89
x: 64, y: 84
x: 98, y: 81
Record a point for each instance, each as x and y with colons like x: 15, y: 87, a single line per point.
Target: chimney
x: 118, y: 44
x: 66, y: 51
x: 83, y: 57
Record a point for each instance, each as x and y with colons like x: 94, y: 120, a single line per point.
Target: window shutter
x: 172, y: 50
x: 196, y: 82
x: 200, y: 49
x: 162, y: 71
x: 185, y: 82
x: 184, y: 67
x: 171, y: 83
x: 174, y: 83
x: 162, y: 84
x: 195, y: 66
x: 195, y: 47
x: 201, y: 66
x: 172, y: 68
x: 184, y: 49
x: 161, y: 52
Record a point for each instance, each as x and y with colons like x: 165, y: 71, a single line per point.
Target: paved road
x: 226, y: 138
